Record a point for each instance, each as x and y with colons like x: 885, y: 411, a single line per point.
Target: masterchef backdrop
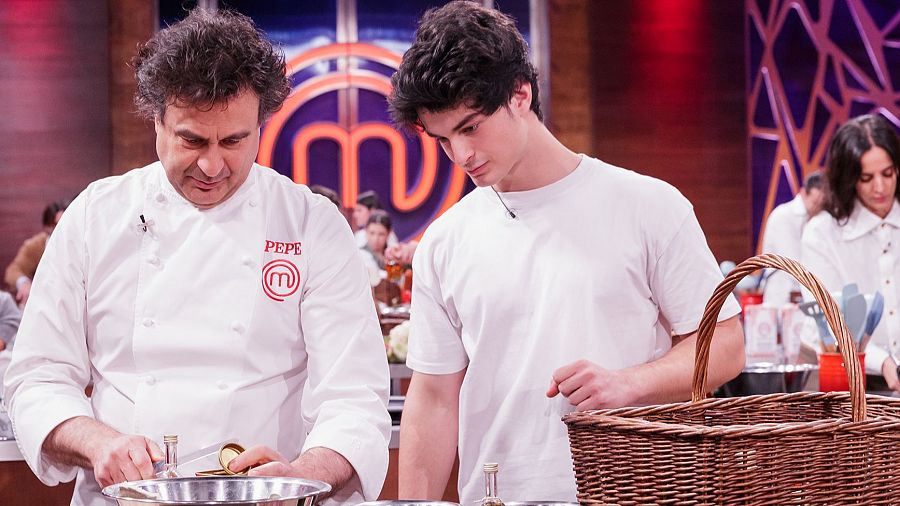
x: 334, y: 130
x: 811, y: 66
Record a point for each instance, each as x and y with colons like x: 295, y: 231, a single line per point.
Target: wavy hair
x: 463, y: 54
x: 851, y: 141
x: 207, y: 59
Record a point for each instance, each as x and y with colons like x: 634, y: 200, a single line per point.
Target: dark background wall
x: 54, y: 128
x: 657, y: 86
x: 652, y: 85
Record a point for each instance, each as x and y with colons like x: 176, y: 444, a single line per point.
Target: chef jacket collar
x: 239, y: 196
x: 862, y: 221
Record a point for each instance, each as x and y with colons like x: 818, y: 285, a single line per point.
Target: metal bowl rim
x: 320, y: 485
x: 763, y: 368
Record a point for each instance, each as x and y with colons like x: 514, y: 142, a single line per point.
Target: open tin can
x: 227, y: 453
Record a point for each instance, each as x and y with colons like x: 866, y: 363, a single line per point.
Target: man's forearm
x: 428, y: 440
x: 72, y: 441
x: 324, y: 464
x: 668, y: 379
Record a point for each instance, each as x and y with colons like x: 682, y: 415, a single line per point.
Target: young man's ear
x: 521, y: 99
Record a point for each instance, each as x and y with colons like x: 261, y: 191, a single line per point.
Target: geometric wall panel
x: 811, y: 66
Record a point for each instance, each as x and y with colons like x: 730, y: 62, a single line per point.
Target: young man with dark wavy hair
x: 560, y: 283
x: 202, y: 295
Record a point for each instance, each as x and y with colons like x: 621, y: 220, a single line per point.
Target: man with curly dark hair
x: 204, y: 296
x: 559, y: 270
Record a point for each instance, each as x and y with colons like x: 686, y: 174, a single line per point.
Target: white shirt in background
x: 784, y: 229
x: 175, y: 328
x: 862, y: 251
x: 592, y: 267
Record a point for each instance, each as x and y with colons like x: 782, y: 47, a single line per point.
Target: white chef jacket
x: 191, y: 327
x: 784, y: 228
x: 862, y: 251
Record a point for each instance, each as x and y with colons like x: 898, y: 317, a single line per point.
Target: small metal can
x: 227, y: 453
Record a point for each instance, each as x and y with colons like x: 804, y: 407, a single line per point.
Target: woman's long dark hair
x: 850, y: 143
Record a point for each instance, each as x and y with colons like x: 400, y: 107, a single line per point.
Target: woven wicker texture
x: 802, y: 448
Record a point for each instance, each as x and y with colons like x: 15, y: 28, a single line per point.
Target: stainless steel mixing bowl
x: 225, y: 490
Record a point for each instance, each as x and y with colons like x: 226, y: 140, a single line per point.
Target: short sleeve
x: 435, y: 343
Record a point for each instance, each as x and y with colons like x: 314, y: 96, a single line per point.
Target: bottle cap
x: 227, y: 453
x: 170, y: 439
x: 491, y: 467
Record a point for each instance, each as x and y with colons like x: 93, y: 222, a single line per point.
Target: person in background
x: 10, y: 317
x: 784, y: 228
x: 559, y: 283
x: 858, y: 239
x: 378, y: 229
x: 366, y: 203
x: 402, y: 252
x: 202, y: 295
x: 328, y: 193
x: 21, y: 270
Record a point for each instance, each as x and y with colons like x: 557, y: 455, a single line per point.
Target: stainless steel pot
x: 225, y: 490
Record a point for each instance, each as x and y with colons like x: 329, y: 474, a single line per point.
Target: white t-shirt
x: 784, y: 228
x: 861, y: 251
x: 590, y: 268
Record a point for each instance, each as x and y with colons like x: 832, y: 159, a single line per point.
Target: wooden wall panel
x: 54, y: 130
x: 663, y: 84
x: 131, y: 22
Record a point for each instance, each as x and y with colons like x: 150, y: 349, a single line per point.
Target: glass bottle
x: 170, y: 468
x: 490, y: 485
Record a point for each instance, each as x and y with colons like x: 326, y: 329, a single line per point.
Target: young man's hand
x: 589, y: 386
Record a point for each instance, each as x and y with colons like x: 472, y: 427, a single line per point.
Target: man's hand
x: 588, y: 386
x: 889, y: 371
x: 269, y: 462
x: 22, y: 293
x: 401, y: 253
x: 113, y: 456
x: 125, y: 458
x: 317, y: 463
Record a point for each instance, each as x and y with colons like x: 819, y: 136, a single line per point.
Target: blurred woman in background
x: 858, y: 239
x: 378, y: 229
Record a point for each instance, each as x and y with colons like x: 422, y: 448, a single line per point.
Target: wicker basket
x: 804, y: 448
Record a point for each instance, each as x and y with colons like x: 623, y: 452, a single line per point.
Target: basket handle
x: 807, y: 279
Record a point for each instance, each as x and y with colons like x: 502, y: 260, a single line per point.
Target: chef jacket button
x: 891, y: 312
x: 160, y: 198
x: 252, y: 203
x: 237, y: 327
x: 247, y: 261
x: 221, y: 385
x: 147, y: 322
x: 153, y: 259
x: 150, y: 380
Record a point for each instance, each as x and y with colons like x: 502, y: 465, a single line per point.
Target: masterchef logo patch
x: 280, y: 279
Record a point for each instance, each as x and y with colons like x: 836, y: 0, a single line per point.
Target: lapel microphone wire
x: 509, y: 211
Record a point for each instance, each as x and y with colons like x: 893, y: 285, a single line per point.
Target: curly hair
x: 207, y: 59
x: 463, y: 54
x: 850, y: 143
